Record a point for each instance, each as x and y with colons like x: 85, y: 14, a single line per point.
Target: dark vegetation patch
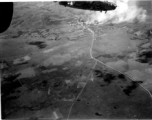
x: 78, y: 100
x: 107, y: 77
x: 54, y: 36
x: 48, y: 22
x: 14, y: 35
x: 10, y: 108
x: 42, y: 82
x: 53, y: 86
x: 102, y: 85
x: 10, y: 78
x: 139, y: 82
x: 98, y: 73
x: 72, y: 91
x: 18, y: 34
x: 149, y: 33
x: 98, y: 114
x: 145, y: 56
x: 107, y: 56
x: 9, y: 88
x: 39, y: 44
x: 17, y: 22
x: 42, y: 68
x: 35, y: 105
x: 114, y: 107
x: 53, y: 79
x: 129, y: 89
x: 122, y: 77
x: 121, y: 56
x: 4, y: 65
x: 58, y: 85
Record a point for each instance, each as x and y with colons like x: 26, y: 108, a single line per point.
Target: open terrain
x: 47, y: 70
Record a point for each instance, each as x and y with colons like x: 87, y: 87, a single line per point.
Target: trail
x: 91, y: 72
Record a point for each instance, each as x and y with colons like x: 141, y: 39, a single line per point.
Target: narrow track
x: 96, y: 60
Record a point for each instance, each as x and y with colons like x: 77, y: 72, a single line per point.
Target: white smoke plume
x: 126, y: 11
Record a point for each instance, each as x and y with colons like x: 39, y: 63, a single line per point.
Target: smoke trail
x: 126, y: 11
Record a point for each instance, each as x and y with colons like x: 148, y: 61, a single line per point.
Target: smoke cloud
x: 126, y: 11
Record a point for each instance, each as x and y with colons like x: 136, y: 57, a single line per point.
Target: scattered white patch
x: 135, y: 74
x: 138, y: 33
x: 27, y: 72
x: 49, y: 90
x: 78, y: 63
x: 149, y: 70
x: 75, y: 35
x: 81, y: 84
x: 138, y: 75
x: 57, y: 114
x: 72, y: 99
x: 57, y: 59
x: 65, y: 68
x: 21, y: 60
x: 48, y: 50
x: 146, y: 45
x: 135, y: 65
x: 119, y: 65
x: 58, y: 47
x: 148, y: 83
x: 67, y: 81
x: 47, y: 71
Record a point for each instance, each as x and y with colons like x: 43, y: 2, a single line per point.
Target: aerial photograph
x: 65, y: 60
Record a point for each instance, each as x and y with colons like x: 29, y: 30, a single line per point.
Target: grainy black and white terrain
x: 55, y: 65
